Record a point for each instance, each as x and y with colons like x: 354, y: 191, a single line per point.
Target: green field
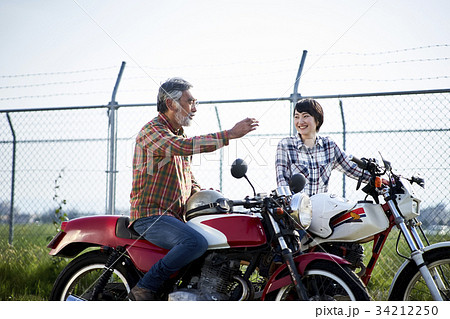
x: 389, y: 262
x: 27, y: 272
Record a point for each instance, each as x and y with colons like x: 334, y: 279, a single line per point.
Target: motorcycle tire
x: 78, y: 279
x: 327, y: 281
x: 410, y: 285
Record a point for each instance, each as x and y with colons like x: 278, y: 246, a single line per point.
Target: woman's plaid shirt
x: 315, y: 163
x: 162, y: 176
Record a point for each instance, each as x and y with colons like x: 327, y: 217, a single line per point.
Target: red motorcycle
x: 238, y: 265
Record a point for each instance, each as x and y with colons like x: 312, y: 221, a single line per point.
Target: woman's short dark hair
x: 313, y: 108
x: 171, y: 89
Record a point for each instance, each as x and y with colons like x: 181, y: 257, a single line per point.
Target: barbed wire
x: 218, y: 65
x: 56, y: 73
x: 55, y: 83
x: 216, y: 77
x: 250, y: 75
x: 381, y: 63
x: 287, y: 59
x: 381, y: 80
x: 387, y: 52
x: 52, y: 95
x: 240, y: 85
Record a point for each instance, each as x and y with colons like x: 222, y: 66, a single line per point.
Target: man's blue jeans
x: 183, y: 242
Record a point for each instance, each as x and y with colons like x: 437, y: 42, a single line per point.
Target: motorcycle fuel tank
x: 230, y: 230
x: 337, y: 219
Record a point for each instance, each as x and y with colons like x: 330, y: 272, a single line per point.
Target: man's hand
x: 242, y: 128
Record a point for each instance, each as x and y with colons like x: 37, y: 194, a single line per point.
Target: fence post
x: 13, y: 181
x: 344, y: 141
x: 295, y: 95
x: 221, y: 152
x: 112, y: 147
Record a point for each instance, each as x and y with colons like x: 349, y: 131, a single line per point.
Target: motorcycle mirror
x: 297, y: 183
x: 387, y: 164
x: 238, y: 168
x: 419, y: 180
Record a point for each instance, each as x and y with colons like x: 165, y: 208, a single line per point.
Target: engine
x: 219, y: 280
x: 217, y: 277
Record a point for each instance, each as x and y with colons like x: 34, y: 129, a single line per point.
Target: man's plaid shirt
x: 315, y: 163
x: 162, y: 176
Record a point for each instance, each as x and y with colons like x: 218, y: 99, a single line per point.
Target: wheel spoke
x: 79, y: 279
x: 417, y: 289
x: 327, y: 282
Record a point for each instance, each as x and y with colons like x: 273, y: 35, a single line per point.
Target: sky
x: 68, y: 52
x: 62, y: 53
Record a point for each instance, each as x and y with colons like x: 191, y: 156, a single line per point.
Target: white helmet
x: 206, y: 202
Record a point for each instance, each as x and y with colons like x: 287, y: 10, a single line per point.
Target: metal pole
x: 344, y: 141
x: 112, y: 150
x: 295, y: 95
x: 221, y: 151
x: 13, y: 179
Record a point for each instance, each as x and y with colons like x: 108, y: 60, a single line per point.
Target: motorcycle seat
x: 124, y: 231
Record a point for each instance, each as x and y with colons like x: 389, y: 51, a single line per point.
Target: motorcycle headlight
x: 301, y: 210
x: 407, y: 202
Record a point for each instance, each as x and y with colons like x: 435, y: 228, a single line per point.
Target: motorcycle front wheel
x: 327, y: 281
x: 410, y: 285
x: 78, y: 279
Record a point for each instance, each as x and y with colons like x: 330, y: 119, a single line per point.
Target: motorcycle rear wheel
x: 78, y: 279
x: 410, y: 285
x: 333, y: 282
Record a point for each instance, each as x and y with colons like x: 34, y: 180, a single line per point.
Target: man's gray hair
x: 171, y: 89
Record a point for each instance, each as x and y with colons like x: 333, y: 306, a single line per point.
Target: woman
x: 312, y: 155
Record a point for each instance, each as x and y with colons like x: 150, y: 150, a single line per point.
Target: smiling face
x: 305, y: 124
x: 186, y: 108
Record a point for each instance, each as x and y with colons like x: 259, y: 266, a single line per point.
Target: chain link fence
x: 60, y: 158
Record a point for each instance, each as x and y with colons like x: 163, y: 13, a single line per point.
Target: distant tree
x: 50, y: 216
x: 434, y: 215
x: 5, y: 209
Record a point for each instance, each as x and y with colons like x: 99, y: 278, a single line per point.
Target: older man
x: 163, y: 182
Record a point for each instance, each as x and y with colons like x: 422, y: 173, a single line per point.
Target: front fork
x: 416, y: 246
x: 289, y: 261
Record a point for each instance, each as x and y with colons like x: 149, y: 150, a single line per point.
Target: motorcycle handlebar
x: 361, y: 164
x: 247, y: 203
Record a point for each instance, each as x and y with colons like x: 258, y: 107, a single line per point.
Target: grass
x: 389, y: 262
x: 27, y: 271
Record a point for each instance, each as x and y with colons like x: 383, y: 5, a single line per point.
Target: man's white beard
x: 183, y: 120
